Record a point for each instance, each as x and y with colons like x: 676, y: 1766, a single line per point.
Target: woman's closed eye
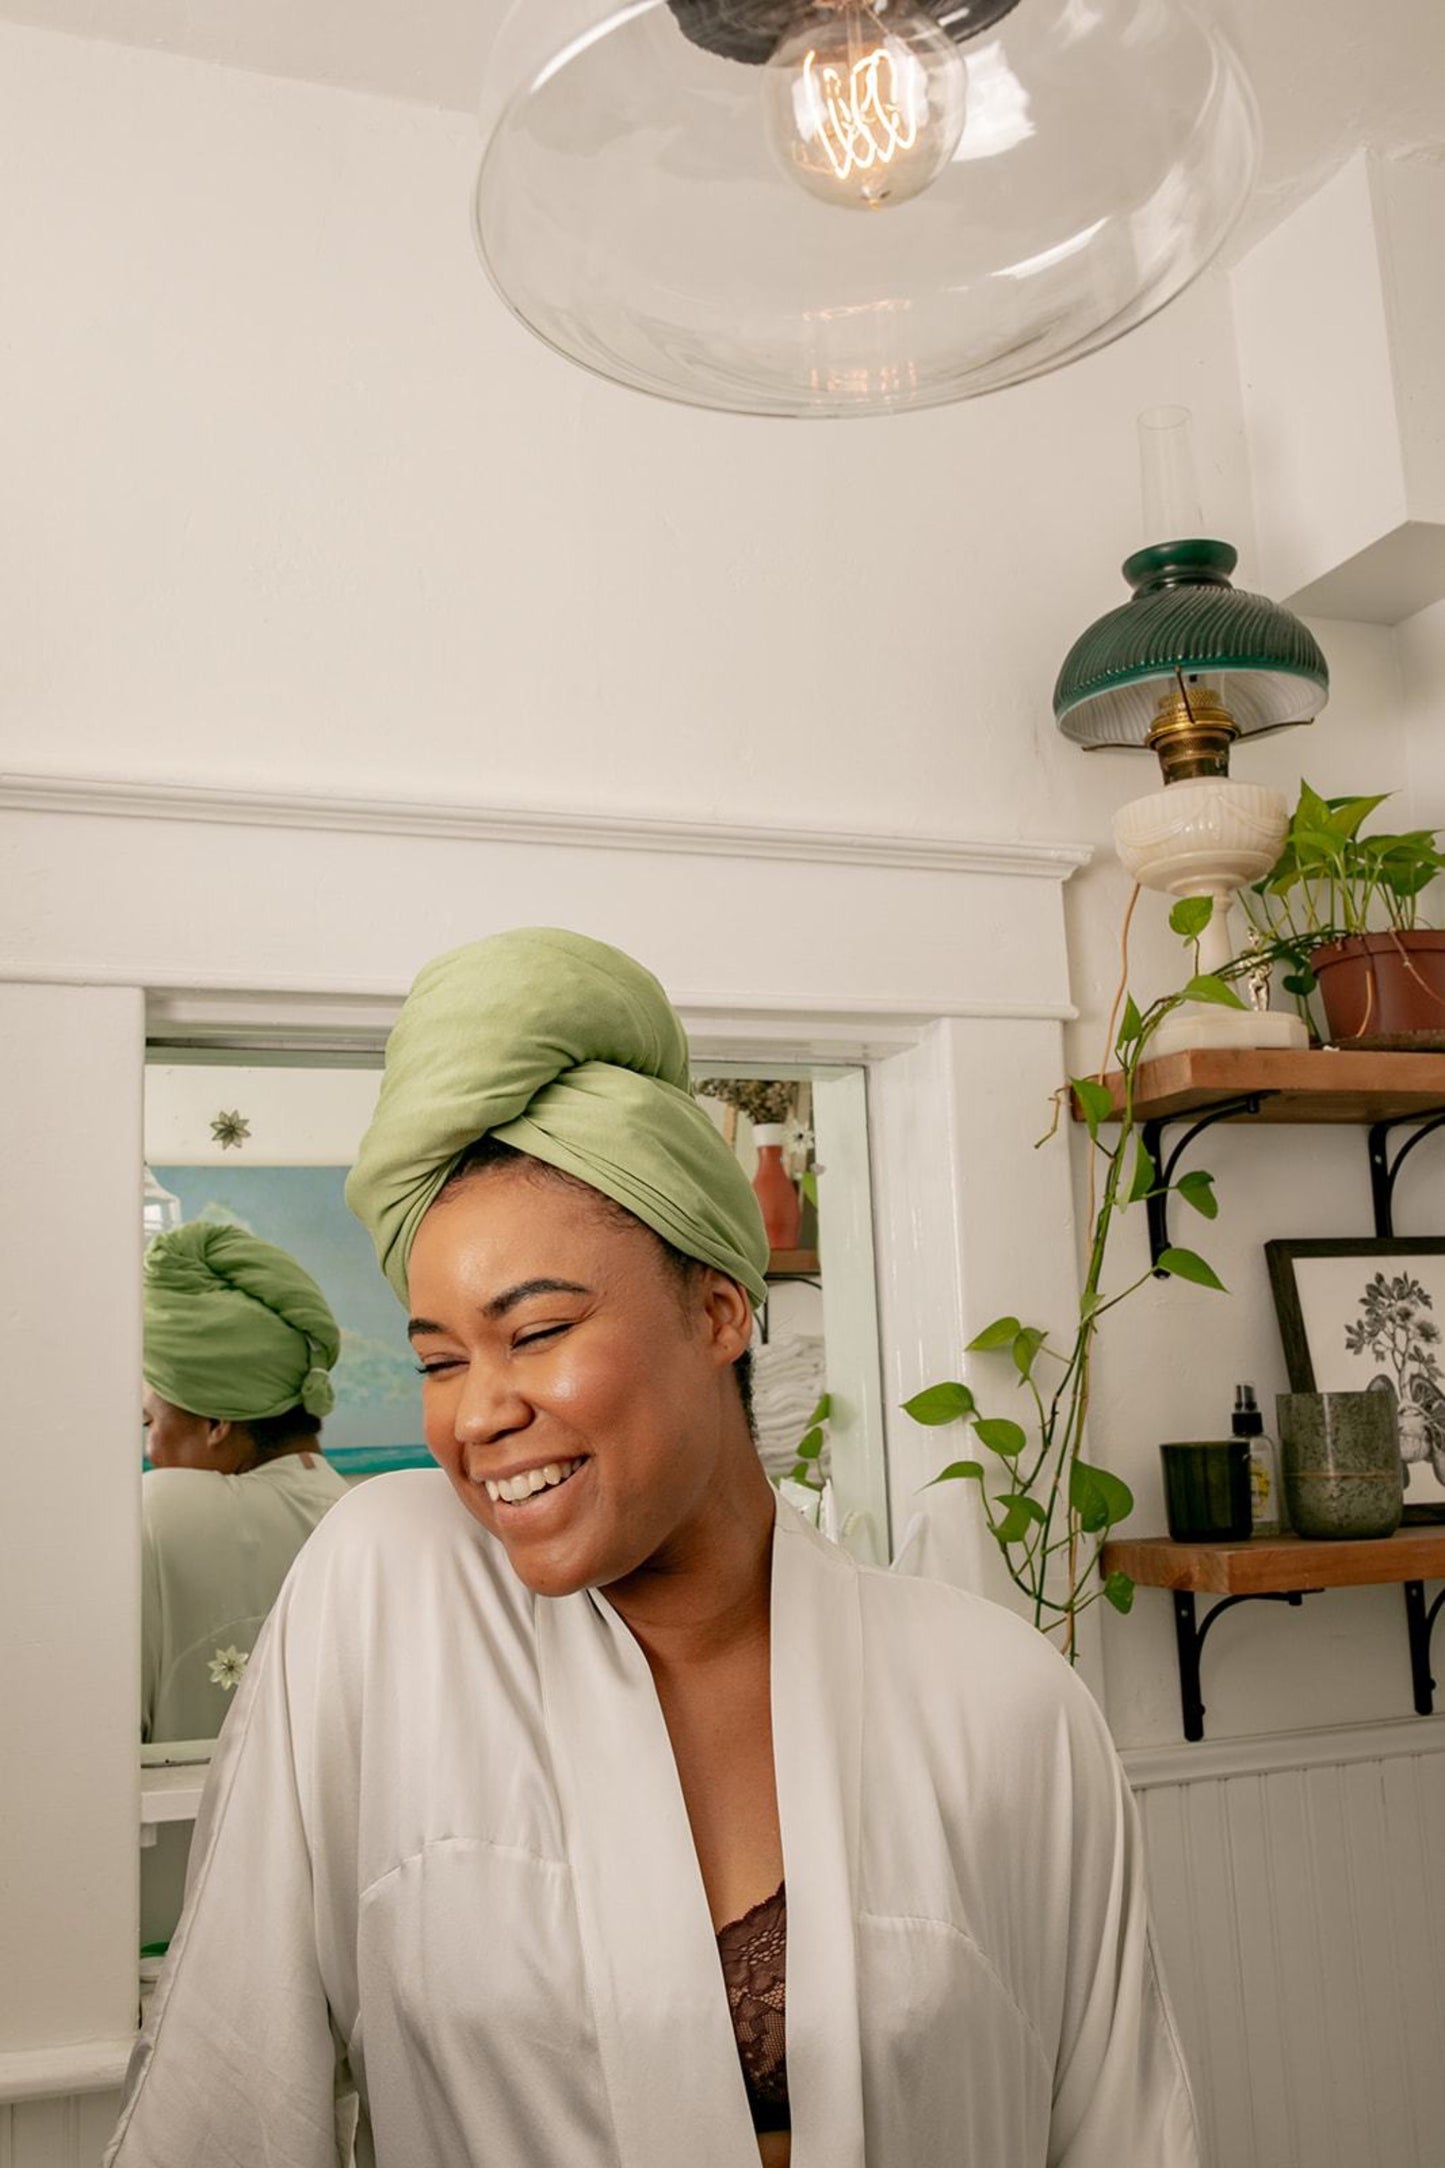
x: 546, y: 1332
x: 437, y: 1365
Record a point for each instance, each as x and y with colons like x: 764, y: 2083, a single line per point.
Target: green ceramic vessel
x: 1343, y: 1475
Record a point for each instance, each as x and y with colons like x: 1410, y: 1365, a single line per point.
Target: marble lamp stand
x: 1208, y: 836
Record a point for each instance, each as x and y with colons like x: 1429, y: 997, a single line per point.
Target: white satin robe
x: 444, y: 1852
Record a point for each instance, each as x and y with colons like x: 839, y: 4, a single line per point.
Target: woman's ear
x: 729, y: 1316
x: 218, y: 1434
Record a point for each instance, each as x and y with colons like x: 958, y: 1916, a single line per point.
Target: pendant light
x: 851, y: 207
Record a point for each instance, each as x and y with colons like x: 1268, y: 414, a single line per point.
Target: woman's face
x: 555, y: 1342
x: 174, y: 1437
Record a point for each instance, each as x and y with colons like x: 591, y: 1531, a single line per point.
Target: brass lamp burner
x: 1192, y: 734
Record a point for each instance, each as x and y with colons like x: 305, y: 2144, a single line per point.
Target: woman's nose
x: 487, y: 1407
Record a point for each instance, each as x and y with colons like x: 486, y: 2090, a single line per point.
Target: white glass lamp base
x: 1200, y: 1024
x: 1207, y: 838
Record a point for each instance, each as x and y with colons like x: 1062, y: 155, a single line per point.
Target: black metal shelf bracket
x: 1420, y: 1624
x: 1152, y: 1137
x: 1384, y: 1171
x: 1189, y: 1639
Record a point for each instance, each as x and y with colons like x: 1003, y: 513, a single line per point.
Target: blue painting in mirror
x: 376, y: 1422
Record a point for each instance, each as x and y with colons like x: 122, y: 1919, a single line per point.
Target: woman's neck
x: 709, y: 1599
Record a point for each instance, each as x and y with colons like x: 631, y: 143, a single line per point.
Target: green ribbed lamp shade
x: 1185, y: 619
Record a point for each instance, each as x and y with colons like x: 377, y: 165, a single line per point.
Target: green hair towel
x: 567, y: 1050
x: 235, y: 1329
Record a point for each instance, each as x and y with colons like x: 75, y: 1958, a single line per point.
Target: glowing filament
x: 865, y: 115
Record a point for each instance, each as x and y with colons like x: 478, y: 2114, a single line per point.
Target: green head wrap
x: 567, y: 1050
x: 234, y: 1328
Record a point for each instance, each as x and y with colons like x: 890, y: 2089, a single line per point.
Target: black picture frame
x: 1302, y: 1358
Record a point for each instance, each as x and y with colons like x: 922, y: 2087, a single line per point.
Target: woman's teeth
x: 513, y: 1489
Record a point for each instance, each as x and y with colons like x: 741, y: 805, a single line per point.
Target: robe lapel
x: 663, y: 2032
x: 817, y: 1662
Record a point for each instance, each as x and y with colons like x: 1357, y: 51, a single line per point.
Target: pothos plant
x: 1048, y: 1508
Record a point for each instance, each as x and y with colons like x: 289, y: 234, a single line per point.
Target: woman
x: 239, y: 1345
x: 545, y: 1760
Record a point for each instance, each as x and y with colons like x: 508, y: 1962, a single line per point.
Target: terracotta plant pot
x: 782, y: 1206
x: 1383, y: 985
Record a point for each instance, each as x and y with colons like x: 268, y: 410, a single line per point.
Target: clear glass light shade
x: 668, y: 215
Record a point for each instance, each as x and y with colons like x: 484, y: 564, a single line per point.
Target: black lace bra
x: 754, y: 1952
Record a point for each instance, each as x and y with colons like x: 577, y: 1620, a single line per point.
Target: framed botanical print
x: 1360, y: 1313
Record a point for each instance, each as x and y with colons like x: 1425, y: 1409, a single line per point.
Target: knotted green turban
x: 568, y: 1050
x: 234, y: 1328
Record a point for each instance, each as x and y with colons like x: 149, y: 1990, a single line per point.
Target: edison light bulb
x: 866, y: 101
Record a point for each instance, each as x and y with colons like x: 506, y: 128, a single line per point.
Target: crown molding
x: 464, y: 823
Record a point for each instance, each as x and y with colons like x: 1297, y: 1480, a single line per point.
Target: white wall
x: 70, y: 1528
x: 295, y: 505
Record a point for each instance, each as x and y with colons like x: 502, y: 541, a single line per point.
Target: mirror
x: 263, y: 1140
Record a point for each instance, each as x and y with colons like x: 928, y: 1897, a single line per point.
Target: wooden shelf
x: 1283, y: 1569
x: 793, y: 1265
x: 1318, y: 1084
x: 1274, y: 1564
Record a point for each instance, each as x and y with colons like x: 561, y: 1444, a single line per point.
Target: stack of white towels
x: 787, y: 1386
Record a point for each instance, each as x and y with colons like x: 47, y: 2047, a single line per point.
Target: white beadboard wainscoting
x: 1299, y: 1895
x: 68, y: 2133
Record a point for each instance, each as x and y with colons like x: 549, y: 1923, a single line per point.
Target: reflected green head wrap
x: 565, y: 1049
x: 234, y: 1328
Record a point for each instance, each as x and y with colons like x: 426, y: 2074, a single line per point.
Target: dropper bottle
x: 1264, y: 1492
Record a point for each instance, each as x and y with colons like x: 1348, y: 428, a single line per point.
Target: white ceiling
x: 1330, y: 74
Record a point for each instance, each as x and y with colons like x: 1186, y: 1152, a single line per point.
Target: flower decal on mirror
x: 229, y: 1129
x: 228, y: 1668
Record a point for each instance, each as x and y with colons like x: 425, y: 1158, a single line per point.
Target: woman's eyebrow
x: 507, y: 1300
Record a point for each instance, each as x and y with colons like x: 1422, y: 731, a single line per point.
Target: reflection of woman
x: 239, y: 1344
x: 584, y: 1804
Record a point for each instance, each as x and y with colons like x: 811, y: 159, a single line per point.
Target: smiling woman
x: 622, y: 1360
x: 592, y: 1701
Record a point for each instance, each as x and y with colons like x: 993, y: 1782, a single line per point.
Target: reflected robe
x: 444, y: 1853
x: 215, y: 1550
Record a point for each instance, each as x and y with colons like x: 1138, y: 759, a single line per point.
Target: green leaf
x: 809, y: 1186
x: 1132, y: 1025
x: 1096, y: 1101
x: 958, y: 1471
x: 823, y: 1410
x: 1206, y: 987
x: 1001, y: 1333
x: 1346, y: 814
x: 1311, y: 812
x: 1119, y: 1591
x: 1300, y: 982
x: 1146, y: 1175
x: 938, y: 1404
x: 1026, y: 1346
x: 1198, y: 1189
x: 1089, y: 1302
x: 811, y: 1446
x: 1099, y: 1499
x: 1184, y: 1265
x: 1019, y: 1515
x: 1000, y: 1435
x: 1190, y: 916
